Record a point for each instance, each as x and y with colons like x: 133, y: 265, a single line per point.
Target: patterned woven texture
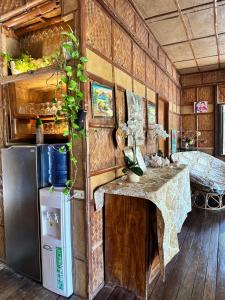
x: 188, y: 96
x: 162, y: 83
x: 192, y: 79
x: 169, y: 66
x: 126, y: 12
x: 162, y: 57
x: 111, y: 2
x: 170, y: 95
x: 153, y: 46
x: 138, y: 62
x: 206, y: 93
x: 209, y: 77
x: 188, y: 122
x: 150, y: 73
x: 96, y: 227
x: 174, y: 93
x: 178, y: 96
x: 206, y: 122
x: 141, y: 31
x: 122, y: 46
x: 99, y: 29
x: 102, y: 154
x: 221, y: 93
x: 97, y: 267
x: 8, y: 5
x: 43, y: 42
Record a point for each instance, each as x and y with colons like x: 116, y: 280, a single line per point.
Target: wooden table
x: 130, y: 243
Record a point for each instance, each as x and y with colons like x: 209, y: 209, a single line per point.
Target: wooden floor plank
x: 121, y: 294
x: 186, y: 287
x: 104, y: 293
x: 220, y: 288
x: 210, y: 282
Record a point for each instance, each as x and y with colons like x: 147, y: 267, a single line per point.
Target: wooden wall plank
x: 138, y: 62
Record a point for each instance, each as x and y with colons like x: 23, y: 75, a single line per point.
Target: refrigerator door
x: 21, y: 207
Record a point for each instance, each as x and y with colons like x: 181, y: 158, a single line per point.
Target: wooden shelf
x: 27, y: 75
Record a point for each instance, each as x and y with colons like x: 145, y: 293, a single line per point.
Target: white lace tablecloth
x: 169, y: 190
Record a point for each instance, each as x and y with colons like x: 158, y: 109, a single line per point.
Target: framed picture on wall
x: 151, y: 111
x: 102, y: 100
x: 201, y: 107
x: 173, y: 141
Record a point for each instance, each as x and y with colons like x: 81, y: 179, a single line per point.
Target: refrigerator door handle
x: 47, y: 247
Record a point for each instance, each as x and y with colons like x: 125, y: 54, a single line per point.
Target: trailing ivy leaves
x: 73, y: 74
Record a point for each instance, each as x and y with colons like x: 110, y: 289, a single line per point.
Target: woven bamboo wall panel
x: 120, y: 106
x: 174, y: 93
x: 138, y: 62
x: 175, y: 122
x: 111, y: 2
x: 101, y: 148
x: 188, y: 122
x: 153, y: 46
x: 150, y: 73
x: 169, y: 66
x: 208, y: 137
x: 162, y: 83
x: 221, y: 75
x: 141, y: 31
x: 209, y: 77
x: 170, y: 93
x: 178, y: 97
x: 206, y: 122
x: 206, y: 93
x: 8, y: 5
x: 162, y: 57
x: 37, y: 43
x: 122, y: 46
x: 126, y: 12
x: 188, y: 96
x: 96, y: 226
x: 97, y: 267
x: 192, y: 79
x: 99, y: 29
x: 221, y: 93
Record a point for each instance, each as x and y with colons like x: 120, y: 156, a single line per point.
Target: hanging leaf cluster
x: 68, y: 90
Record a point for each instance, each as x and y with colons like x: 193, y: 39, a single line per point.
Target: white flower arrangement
x: 158, y: 131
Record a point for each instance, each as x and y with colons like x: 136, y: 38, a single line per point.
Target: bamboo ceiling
x: 192, y: 32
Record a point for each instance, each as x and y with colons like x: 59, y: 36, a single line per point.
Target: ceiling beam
x: 216, y: 30
x: 186, y: 31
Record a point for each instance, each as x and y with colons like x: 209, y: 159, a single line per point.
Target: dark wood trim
x: 98, y: 172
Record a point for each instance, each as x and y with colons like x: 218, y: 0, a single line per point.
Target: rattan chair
x: 207, y: 175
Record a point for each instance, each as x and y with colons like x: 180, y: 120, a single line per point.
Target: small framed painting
x: 201, y: 107
x: 173, y: 141
x: 151, y: 110
x: 102, y: 101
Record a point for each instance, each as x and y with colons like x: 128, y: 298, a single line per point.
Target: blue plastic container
x: 58, y: 166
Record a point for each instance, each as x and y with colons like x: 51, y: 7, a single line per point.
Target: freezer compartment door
x: 21, y: 208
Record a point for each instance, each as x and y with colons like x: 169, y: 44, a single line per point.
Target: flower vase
x: 186, y: 145
x: 132, y: 177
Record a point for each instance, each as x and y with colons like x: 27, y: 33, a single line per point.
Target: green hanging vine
x: 72, y: 68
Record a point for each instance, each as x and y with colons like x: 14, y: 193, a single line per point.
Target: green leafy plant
x: 132, y: 166
x: 72, y: 76
x: 25, y: 63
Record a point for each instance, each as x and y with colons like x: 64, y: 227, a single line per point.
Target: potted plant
x: 132, y: 169
x: 26, y: 63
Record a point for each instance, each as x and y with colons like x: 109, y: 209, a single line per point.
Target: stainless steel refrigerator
x: 25, y: 170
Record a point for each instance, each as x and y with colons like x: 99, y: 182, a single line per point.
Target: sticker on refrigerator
x: 59, y: 268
